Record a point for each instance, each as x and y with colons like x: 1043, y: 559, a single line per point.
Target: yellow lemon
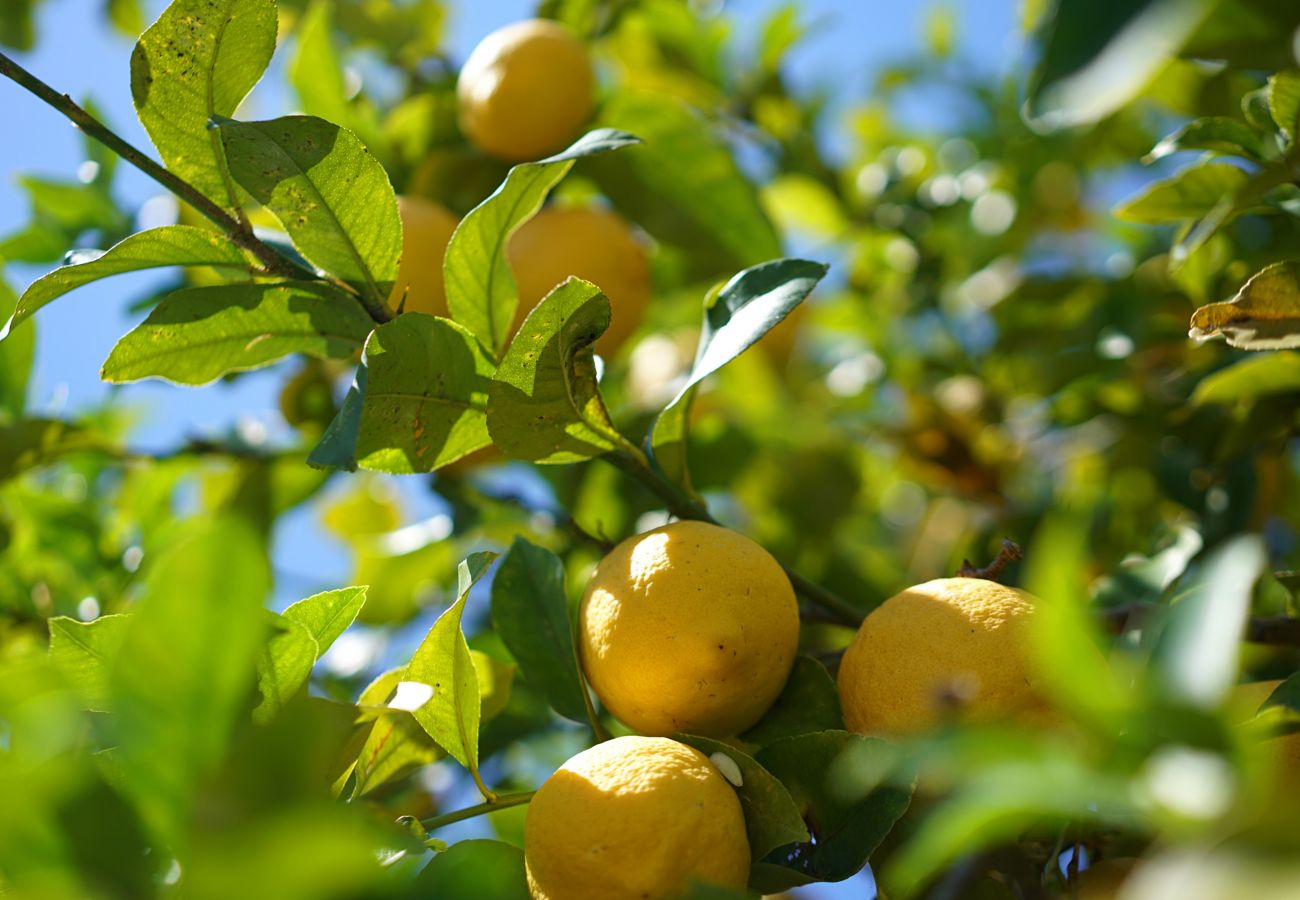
x: 689, y: 627
x: 426, y: 230
x: 526, y: 90
x: 636, y: 818
x: 953, y: 645
x: 593, y: 243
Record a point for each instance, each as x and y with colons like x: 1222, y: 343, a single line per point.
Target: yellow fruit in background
x: 426, y: 230
x: 637, y: 818
x: 953, y: 645
x: 526, y: 90
x: 689, y: 627
x: 592, y: 243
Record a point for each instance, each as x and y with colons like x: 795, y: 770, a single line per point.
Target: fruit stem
x: 502, y: 801
x: 273, y: 262
x: 683, y: 506
x: 1009, y: 551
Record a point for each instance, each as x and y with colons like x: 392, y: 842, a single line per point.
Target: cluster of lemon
x: 526, y: 91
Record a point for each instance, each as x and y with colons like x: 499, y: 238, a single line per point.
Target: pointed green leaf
x: 396, y: 744
x: 481, y: 291
x: 196, y: 335
x: 426, y: 397
x: 1264, y: 314
x: 197, y: 61
x: 332, y: 197
x: 85, y: 652
x: 531, y: 614
x: 1284, y: 102
x: 1191, y: 193
x: 771, y: 818
x: 545, y: 403
x: 442, y: 661
x: 283, y: 666
x: 328, y: 614
x: 171, y: 245
x: 808, y: 702
x: 337, y: 448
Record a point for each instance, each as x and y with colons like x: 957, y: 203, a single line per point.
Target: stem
x: 683, y: 506
x: 1009, y: 551
x: 503, y: 801
x: 597, y: 730
x: 239, y: 231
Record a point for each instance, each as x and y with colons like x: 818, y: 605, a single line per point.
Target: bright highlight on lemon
x: 526, y: 90
x: 689, y: 627
x: 635, y: 818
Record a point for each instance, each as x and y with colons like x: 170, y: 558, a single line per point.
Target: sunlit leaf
x: 1219, y: 134
x: 16, y: 357
x: 284, y: 665
x: 396, y: 744
x: 1284, y: 101
x: 28, y: 443
x: 85, y: 652
x: 1264, y: 314
x: 328, y: 614
x: 1192, y: 192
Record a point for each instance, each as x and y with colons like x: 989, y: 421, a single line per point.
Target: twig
x: 502, y: 801
x: 1009, y: 552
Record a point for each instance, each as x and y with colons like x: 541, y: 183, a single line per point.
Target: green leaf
x: 18, y: 25
x: 1264, y: 314
x: 746, y: 308
x: 16, y: 358
x: 186, y: 667
x: 482, y: 869
x: 127, y: 16
x: 1189, y: 194
x: 337, y: 448
x: 396, y: 744
x: 1195, y: 657
x: 85, y: 652
x: 332, y: 197
x: 171, y: 245
x: 426, y: 397
x: 28, y: 443
x: 442, y: 661
x: 706, y: 207
x: 531, y: 614
x: 196, y: 335
x: 328, y: 614
x: 545, y: 403
x: 1098, y: 54
x: 845, y: 786
x: 1286, y: 695
x: 771, y: 818
x: 481, y: 291
x: 1250, y: 379
x: 198, y: 61
x: 283, y: 666
x: 1284, y: 102
x: 1219, y: 134
x: 808, y: 702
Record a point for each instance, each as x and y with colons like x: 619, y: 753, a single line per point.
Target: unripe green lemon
x: 689, y: 627
x: 634, y: 818
x: 526, y: 90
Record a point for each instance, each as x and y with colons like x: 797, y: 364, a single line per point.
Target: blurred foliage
x: 1000, y: 348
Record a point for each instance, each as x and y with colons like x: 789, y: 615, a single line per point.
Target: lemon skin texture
x: 689, y: 627
x: 426, y: 231
x: 526, y: 90
x: 636, y: 818
x: 953, y: 645
x: 594, y: 244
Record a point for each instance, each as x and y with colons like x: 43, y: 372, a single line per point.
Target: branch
x: 683, y: 506
x: 503, y: 801
x: 273, y: 262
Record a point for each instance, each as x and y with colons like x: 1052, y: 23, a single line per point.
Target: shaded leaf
x: 545, y: 403
x: 1284, y: 101
x: 808, y: 702
x: 198, y: 60
x: 481, y: 290
x: 85, y: 652
x: 396, y: 744
x: 332, y: 197
x: 196, y: 335
x: 1264, y: 314
x: 283, y: 666
x: 328, y: 614
x: 1249, y: 379
x: 1220, y: 134
x: 531, y: 614
x: 171, y: 245
x: 771, y: 818
x: 337, y: 448
x: 1191, y: 193
x: 426, y: 396
x: 490, y: 870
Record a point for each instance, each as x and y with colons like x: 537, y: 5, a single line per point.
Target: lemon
x: 949, y: 645
x: 593, y: 243
x: 426, y: 230
x: 526, y: 90
x: 636, y: 818
x: 689, y: 627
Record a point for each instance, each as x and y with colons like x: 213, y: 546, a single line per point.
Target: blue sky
x: 80, y: 55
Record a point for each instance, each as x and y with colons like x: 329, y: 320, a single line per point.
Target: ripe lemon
x: 689, y: 627
x: 526, y: 90
x: 426, y: 230
x: 949, y: 645
x: 635, y: 818
x: 593, y: 243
